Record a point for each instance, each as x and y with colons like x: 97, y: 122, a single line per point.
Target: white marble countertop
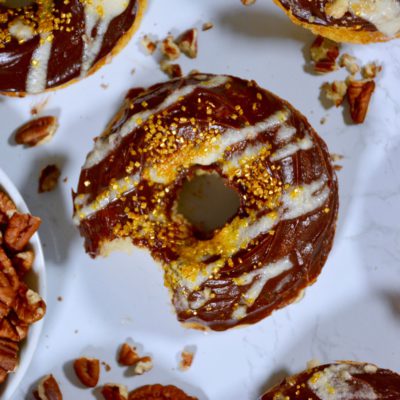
x: 352, y: 312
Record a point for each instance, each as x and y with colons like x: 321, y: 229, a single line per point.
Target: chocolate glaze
x: 306, y: 9
x: 385, y: 384
x: 306, y: 240
x: 67, y: 47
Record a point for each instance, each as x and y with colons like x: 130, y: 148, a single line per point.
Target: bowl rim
x: 30, y: 344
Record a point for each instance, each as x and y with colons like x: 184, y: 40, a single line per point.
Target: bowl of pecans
x: 22, y: 287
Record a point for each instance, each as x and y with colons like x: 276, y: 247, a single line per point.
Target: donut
x: 353, y: 21
x: 344, y: 380
x: 48, y: 44
x: 261, y: 147
x: 159, y: 392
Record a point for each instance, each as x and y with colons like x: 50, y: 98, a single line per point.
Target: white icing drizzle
x: 229, y: 138
x: 333, y: 383
x: 36, y: 80
x: 305, y: 199
x: 104, y: 146
x: 285, y: 133
x: 124, y: 185
x: 258, y: 278
x: 98, y: 13
x: 384, y: 14
x: 302, y: 144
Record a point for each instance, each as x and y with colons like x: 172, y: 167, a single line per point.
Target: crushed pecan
x: 371, y: 70
x: 350, y: 63
x: 159, y: 392
x: 170, y: 49
x: 172, y: 70
x: 127, y: 355
x: 248, y: 2
x: 37, y: 131
x: 23, y: 262
x: 48, y: 179
x: 335, y: 91
x: 48, y: 389
x: 19, y: 231
x: 88, y: 371
x: 149, y: 45
x: 186, y: 360
x: 359, y: 95
x: 324, y: 53
x: 114, y: 392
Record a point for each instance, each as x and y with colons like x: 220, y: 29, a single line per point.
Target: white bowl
x: 39, y: 278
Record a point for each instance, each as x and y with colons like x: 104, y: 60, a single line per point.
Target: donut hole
x: 208, y: 203
x: 18, y: 3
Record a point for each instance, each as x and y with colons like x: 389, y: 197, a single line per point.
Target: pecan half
x: 359, y: 95
x: 187, y: 43
x: 48, y: 389
x: 114, y: 392
x: 37, y: 131
x: 49, y: 178
x: 88, y: 371
x: 159, y: 392
x: 324, y: 53
x: 20, y: 229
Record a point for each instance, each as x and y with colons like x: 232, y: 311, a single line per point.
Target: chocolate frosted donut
x: 356, y: 21
x: 276, y: 244
x: 51, y: 43
x: 341, y: 381
x: 159, y: 392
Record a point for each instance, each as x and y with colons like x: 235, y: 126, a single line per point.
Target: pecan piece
x: 8, y: 355
x: 7, y: 206
x: 88, y: 371
x: 187, y: 43
x: 28, y: 305
x: 350, y: 63
x: 20, y: 229
x: 324, y: 53
x: 371, y: 70
x: 8, y: 275
x: 144, y: 364
x: 172, y: 70
x: 37, y: 131
x: 114, y: 392
x: 335, y: 91
x: 149, y: 45
x: 186, y: 360
x: 128, y: 355
x: 170, y: 49
x: 49, y: 178
x: 359, y: 95
x: 248, y: 2
x: 23, y: 262
x: 48, y: 389
x: 159, y: 392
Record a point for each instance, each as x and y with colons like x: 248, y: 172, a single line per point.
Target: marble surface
x: 352, y: 312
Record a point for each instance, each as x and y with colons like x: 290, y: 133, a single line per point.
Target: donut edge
x: 339, y: 34
x: 121, y: 44
x: 294, y: 377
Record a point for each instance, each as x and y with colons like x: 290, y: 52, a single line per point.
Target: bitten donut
x: 270, y: 251
x: 344, y: 380
x: 355, y: 21
x: 51, y: 43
